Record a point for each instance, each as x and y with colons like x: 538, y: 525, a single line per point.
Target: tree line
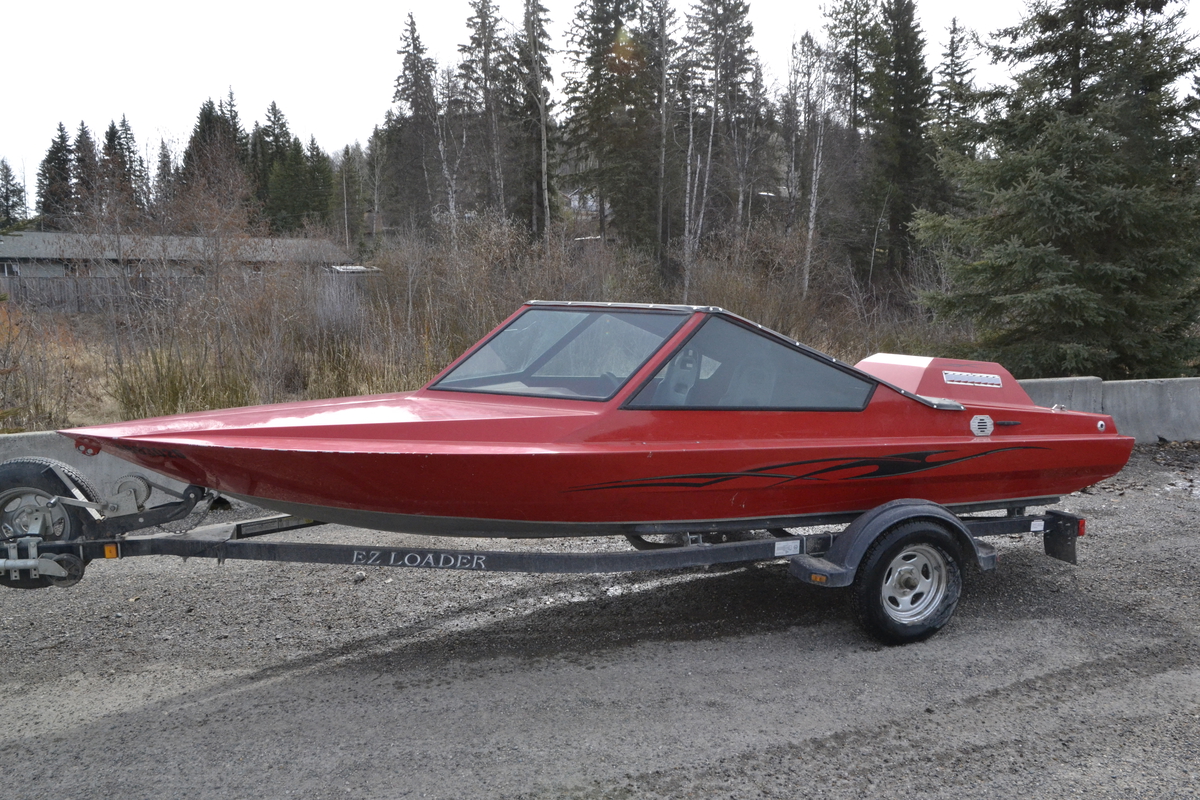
x: 264, y: 179
x: 1056, y: 212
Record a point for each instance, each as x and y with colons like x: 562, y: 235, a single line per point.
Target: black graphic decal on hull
x: 832, y: 469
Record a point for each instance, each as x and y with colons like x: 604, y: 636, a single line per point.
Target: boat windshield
x: 565, y: 352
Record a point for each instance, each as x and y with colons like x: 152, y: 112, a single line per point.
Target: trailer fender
x: 838, y: 566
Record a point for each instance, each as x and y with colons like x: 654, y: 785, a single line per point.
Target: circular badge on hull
x: 982, y: 425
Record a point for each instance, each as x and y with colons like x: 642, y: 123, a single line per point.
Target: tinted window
x: 728, y: 366
x: 564, y: 352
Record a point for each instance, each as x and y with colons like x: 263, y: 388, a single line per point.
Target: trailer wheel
x: 909, y: 583
x: 26, y: 487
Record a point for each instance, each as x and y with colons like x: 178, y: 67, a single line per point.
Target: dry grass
x: 47, y: 371
x: 289, y: 334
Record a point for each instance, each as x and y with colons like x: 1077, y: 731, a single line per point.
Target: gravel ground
x: 159, y: 678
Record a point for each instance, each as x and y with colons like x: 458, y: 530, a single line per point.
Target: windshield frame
x: 684, y: 314
x: 767, y: 333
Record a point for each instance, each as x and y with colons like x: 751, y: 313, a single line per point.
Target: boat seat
x: 752, y: 384
x: 678, y: 381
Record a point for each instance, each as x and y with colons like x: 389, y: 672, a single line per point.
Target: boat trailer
x: 903, y: 559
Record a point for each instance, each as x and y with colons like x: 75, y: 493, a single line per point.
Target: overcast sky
x: 330, y: 68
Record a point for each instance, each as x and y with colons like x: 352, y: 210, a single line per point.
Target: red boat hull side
x: 440, y: 456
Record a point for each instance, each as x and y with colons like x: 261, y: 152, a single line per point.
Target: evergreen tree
x: 319, y: 186
x: 898, y: 106
x: 241, y: 140
x: 412, y: 147
x: 86, y: 172
x: 136, y: 175
x: 268, y: 143
x: 164, y: 190
x: 853, y: 28
x: 12, y: 197
x: 481, y: 73
x: 54, y: 193
x: 725, y: 109
x: 1080, y: 254
x: 288, y: 189
x: 211, y: 190
x: 662, y: 56
x: 612, y: 115
x: 414, y: 85
x: 527, y: 81
x: 122, y: 174
x: 216, y: 142
x: 956, y: 100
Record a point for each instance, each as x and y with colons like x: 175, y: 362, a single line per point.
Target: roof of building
x: 56, y: 246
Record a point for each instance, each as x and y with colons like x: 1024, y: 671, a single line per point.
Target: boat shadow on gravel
x: 703, y: 606
x: 709, y: 605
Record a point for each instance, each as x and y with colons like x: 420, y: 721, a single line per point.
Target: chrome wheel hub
x: 914, y: 584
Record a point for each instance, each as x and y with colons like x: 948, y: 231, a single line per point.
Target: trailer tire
x: 26, y: 485
x: 909, y: 582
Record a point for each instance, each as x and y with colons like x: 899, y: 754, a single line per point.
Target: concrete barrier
x: 1148, y: 410
x: 1155, y: 409
x: 102, y: 470
x: 1077, y: 394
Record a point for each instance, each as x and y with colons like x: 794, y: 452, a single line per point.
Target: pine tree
x: 288, y: 189
x: 956, y: 100
x: 122, y: 174
x: 411, y: 129
x: 610, y: 108
x: 662, y: 56
x: 136, y: 175
x: 164, y: 190
x: 319, y: 183
x: 85, y: 172
x: 1080, y: 254
x: 724, y: 111
x: 896, y: 111
x: 211, y: 181
x: 527, y: 80
x: 481, y: 73
x: 12, y: 197
x: 54, y: 194
x: 268, y: 143
x: 853, y: 28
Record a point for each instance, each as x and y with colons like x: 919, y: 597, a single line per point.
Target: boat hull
x: 597, y: 487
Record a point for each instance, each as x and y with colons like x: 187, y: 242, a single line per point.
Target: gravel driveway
x: 158, y: 678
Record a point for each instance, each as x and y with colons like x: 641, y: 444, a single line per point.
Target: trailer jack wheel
x: 909, y: 583
x: 74, y: 565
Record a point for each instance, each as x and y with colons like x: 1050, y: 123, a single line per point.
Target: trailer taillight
x: 1081, y: 529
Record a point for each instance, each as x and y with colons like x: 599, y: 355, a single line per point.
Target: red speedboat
x: 587, y: 418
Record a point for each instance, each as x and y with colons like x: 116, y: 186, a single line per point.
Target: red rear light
x: 1082, y: 528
